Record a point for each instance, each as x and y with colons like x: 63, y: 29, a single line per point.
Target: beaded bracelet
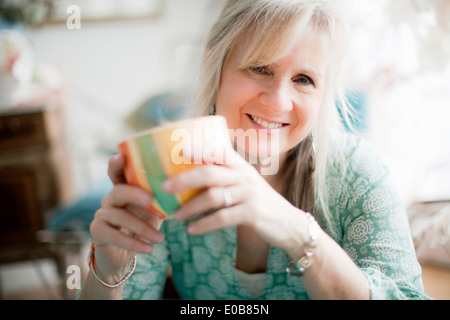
x: 299, y: 268
x: 91, y: 263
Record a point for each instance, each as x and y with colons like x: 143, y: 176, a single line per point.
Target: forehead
x: 310, y: 51
x: 310, y: 48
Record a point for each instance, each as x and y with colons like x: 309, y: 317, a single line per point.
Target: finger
x: 211, y: 153
x: 105, y: 234
x: 115, y: 169
x: 220, y: 219
x: 121, y: 218
x: 211, y: 198
x: 145, y: 215
x: 123, y: 194
x: 201, y: 177
x: 136, y: 200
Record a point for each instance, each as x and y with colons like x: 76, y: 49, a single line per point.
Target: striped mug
x: 158, y: 154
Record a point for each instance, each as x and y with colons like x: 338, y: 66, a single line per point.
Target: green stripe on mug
x: 155, y: 173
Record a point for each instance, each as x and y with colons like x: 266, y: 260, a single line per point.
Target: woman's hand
x: 122, y: 227
x: 254, y: 203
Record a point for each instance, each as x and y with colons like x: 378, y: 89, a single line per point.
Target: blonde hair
x: 276, y: 25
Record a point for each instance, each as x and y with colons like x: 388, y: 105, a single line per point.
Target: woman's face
x: 278, y: 103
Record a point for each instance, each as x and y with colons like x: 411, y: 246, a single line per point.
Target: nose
x: 277, y: 97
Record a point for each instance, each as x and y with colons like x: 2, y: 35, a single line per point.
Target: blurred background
x: 77, y: 77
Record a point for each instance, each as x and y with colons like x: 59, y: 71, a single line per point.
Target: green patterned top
x: 368, y: 222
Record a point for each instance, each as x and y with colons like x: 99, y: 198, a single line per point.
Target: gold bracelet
x: 299, y: 268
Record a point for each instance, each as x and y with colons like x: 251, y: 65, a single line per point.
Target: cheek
x: 313, y: 113
x: 307, y: 115
x: 225, y: 96
x: 307, y: 112
x: 226, y: 107
x: 230, y: 101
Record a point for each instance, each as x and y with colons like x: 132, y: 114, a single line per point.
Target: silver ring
x: 227, y: 198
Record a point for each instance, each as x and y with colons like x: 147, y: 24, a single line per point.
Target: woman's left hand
x: 254, y: 203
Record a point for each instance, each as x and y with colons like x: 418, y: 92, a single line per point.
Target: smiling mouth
x: 266, y: 124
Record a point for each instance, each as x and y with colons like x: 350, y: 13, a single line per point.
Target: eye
x: 258, y: 69
x: 304, y: 80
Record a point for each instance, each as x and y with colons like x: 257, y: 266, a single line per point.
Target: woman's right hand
x: 122, y: 227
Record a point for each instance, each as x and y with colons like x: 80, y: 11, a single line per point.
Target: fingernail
x: 158, y: 238
x: 148, y: 249
x: 146, y: 198
x: 167, y: 185
x: 191, y: 228
x: 177, y: 215
x: 150, y: 208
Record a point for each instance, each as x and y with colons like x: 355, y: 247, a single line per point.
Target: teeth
x: 266, y: 124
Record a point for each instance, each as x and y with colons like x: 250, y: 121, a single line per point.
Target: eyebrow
x: 310, y: 72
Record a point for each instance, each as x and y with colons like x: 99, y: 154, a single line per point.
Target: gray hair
x: 274, y: 26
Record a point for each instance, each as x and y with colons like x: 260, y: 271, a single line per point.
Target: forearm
x: 94, y: 290
x: 333, y: 275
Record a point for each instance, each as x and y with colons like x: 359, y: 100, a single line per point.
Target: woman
x: 272, y: 67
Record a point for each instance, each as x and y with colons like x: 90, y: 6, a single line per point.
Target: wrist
x: 295, y: 248
x: 299, y: 263
x: 113, y: 276
x: 112, y: 279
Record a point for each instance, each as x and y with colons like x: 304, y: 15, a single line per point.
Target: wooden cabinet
x: 34, y: 169
x: 20, y: 215
x: 35, y: 177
